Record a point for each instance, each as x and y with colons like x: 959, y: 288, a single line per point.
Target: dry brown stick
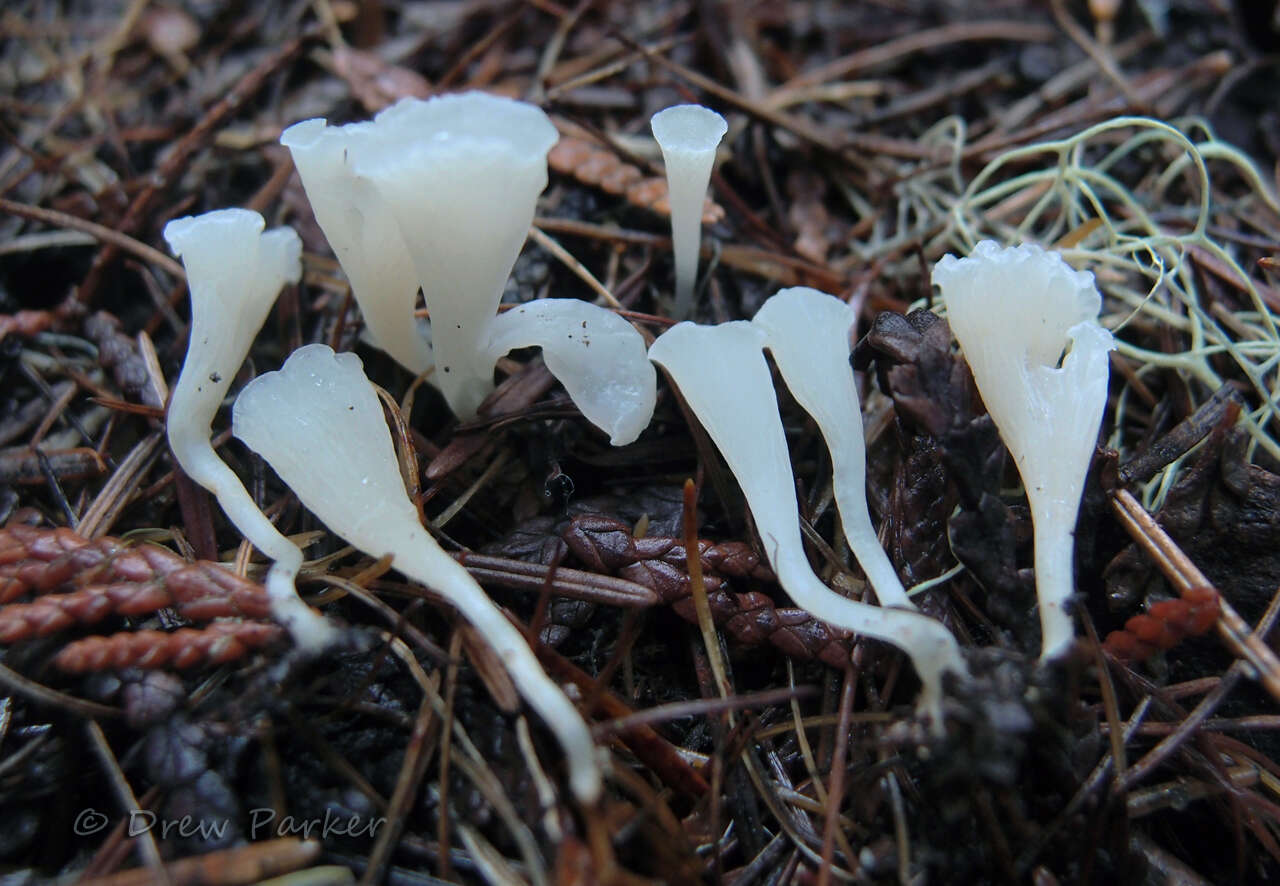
x: 698, y: 591
x: 1184, y: 575
x: 933, y: 38
x: 836, y: 787
x: 1101, y: 55
x: 226, y: 867
x: 660, y: 755
x: 145, y: 842
x: 417, y: 755
x: 783, y: 269
x: 565, y: 582
x: 117, y: 492
x: 101, y: 233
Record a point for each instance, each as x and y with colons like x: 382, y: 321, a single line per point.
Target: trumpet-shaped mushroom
x: 688, y: 136
x: 807, y: 332
x: 456, y: 178
x: 461, y: 175
x: 234, y: 272
x: 364, y: 236
x: 722, y: 374
x: 318, y: 423
x: 1015, y: 311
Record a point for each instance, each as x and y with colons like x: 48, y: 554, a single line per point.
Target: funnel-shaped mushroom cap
x: 688, y: 136
x: 598, y: 357
x: 722, y: 374
x: 364, y: 235
x: 461, y: 175
x: 319, y: 424
x: 1015, y: 312
x: 688, y: 130
x: 234, y: 272
x: 807, y: 332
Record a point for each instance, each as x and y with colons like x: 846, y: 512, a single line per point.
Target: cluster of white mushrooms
x: 438, y: 195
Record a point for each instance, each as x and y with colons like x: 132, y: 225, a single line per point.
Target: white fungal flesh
x: 461, y: 176
x: 722, y: 375
x: 807, y: 332
x: 234, y: 272
x: 598, y: 356
x: 688, y: 136
x: 364, y: 236
x: 319, y: 424
x: 1015, y: 311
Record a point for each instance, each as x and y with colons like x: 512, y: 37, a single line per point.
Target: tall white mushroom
x: 1015, y: 312
x: 319, y: 424
x: 234, y: 272
x: 807, y: 332
x: 461, y: 175
x: 722, y: 374
x: 688, y: 136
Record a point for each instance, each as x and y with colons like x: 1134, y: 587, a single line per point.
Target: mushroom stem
x: 418, y: 556
x: 1054, y: 565
x: 688, y: 136
x: 807, y: 332
x: 318, y: 423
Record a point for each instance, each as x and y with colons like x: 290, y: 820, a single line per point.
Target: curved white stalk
x: 722, y: 374
x: 807, y: 332
x: 319, y: 424
x: 364, y: 236
x: 1015, y: 311
x: 688, y: 136
x: 234, y: 272
x: 598, y: 357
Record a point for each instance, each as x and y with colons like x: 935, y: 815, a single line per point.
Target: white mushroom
x: 461, y: 175
x: 722, y: 374
x: 1015, y: 311
x: 234, y: 272
x: 598, y: 356
x: 364, y: 236
x: 688, y: 136
x: 319, y: 424
x: 807, y: 332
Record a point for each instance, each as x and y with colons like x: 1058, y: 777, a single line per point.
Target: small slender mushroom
x: 688, y: 136
x: 461, y: 175
x: 722, y: 374
x: 807, y: 332
x: 1015, y: 311
x: 319, y: 424
x: 234, y: 271
x: 364, y: 236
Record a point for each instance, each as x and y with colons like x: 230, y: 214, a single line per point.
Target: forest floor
x: 865, y: 141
